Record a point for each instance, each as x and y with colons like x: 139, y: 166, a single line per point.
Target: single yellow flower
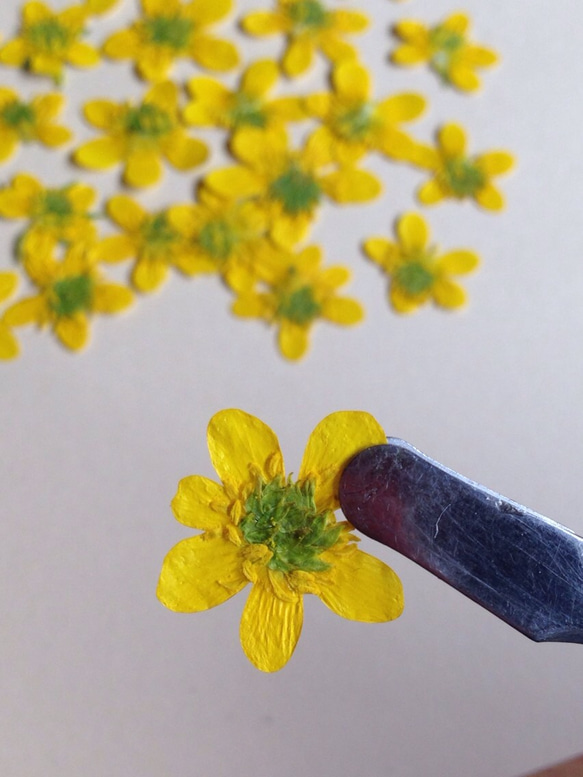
x: 446, y: 48
x: 289, y: 184
x: 60, y: 214
x: 170, y: 29
x: 353, y: 124
x: 139, y: 135
x: 49, y: 40
x: 280, y: 535
x: 310, y: 26
x: 418, y: 273
x: 9, y: 348
x: 150, y: 239
x: 216, y: 106
x: 71, y: 291
x: 458, y: 175
x: 27, y: 121
x: 292, y: 292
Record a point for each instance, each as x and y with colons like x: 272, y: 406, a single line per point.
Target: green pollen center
x: 55, y: 206
x: 297, y: 191
x: 464, y: 177
x: 218, y: 238
x: 414, y: 277
x: 355, y: 123
x: 298, y: 305
x: 247, y: 111
x: 148, y: 121
x: 283, y: 516
x: 308, y: 14
x: 158, y: 234
x: 72, y: 295
x: 19, y: 116
x: 49, y: 35
x: 171, y: 31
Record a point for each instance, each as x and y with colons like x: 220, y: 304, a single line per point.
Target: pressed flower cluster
x: 249, y: 222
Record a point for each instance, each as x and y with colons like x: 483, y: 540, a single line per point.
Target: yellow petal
x: 210, y: 11
x: 431, y: 192
x: 115, y: 249
x: 126, y: 212
x: 234, y: 182
x: 292, y: 340
x: 259, y: 78
x: 463, y: 77
x: 99, y: 154
x: 9, y: 348
x: 298, y: 56
x: 81, y: 196
x: 73, y: 331
x: 403, y: 302
x: 270, y: 628
x: 261, y: 149
x: 401, y: 107
x: 351, y: 185
x: 111, y: 298
x: 148, y: 274
x: 457, y: 22
x: 495, y: 162
x: 183, y: 152
x: 143, y: 168
x: 8, y: 143
x: 199, y: 573
x: 479, y: 56
x: 286, y: 231
x: 490, y: 198
x: 413, y: 232
x: 247, y: 305
x: 380, y: 250
x: 47, y: 106
x: 334, y: 441
x: 348, y: 21
x: 34, y: 12
x: 8, y: 284
x: 411, y: 31
x: 201, y: 503
x: 286, y: 109
x: 263, y: 23
x: 241, y: 447
x: 342, y: 310
x: 208, y: 93
x: 31, y: 310
x: 457, y: 262
x: 153, y: 63
x: 408, y: 55
x: 102, y: 113
x: 448, y: 294
x: 215, y: 54
x: 360, y: 587
x: 452, y: 140
x: 82, y: 55
x: 53, y: 135
x: 124, y: 44
x: 14, y: 53
x: 100, y: 6
x: 352, y: 81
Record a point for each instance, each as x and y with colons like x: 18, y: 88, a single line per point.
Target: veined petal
x: 292, y: 340
x: 199, y: 573
x: 298, y: 56
x: 495, y: 162
x: 264, y: 23
x: 143, y: 168
x: 126, y: 212
x: 201, y: 503
x: 183, y: 152
x: 490, y: 198
x: 214, y: 53
x: 270, y: 628
x: 149, y: 274
x: 73, y: 331
x: 457, y: 262
x: 99, y: 154
x: 334, y: 441
x: 9, y: 348
x: 413, y: 232
x: 448, y: 294
x: 352, y: 81
x: 111, y: 298
x: 259, y: 78
x: 351, y: 185
x: 452, y: 140
x: 342, y: 310
x: 241, y: 447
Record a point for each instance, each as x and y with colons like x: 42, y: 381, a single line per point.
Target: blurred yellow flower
x: 170, y: 29
x: 310, y: 26
x: 139, y: 135
x: 214, y: 105
x: 446, y: 48
x: 49, y: 40
x: 71, y: 291
x: 9, y: 348
x: 24, y: 121
x: 418, y: 273
x: 353, y: 124
x: 293, y: 292
x: 100, y: 6
x: 289, y: 184
x: 457, y: 175
x: 280, y: 535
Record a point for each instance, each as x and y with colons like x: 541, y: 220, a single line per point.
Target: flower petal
x: 143, y: 168
x: 352, y: 81
x: 201, y: 503
x: 111, y: 298
x: 408, y: 55
x: 298, y: 56
x: 99, y: 154
x: 82, y: 55
x: 464, y: 78
x: 215, y: 54
x: 263, y: 23
x: 9, y: 348
x: 73, y: 331
x: 259, y: 78
x: 413, y: 232
x: 334, y: 441
x: 351, y: 185
x: 457, y: 22
x: 183, y: 152
x: 8, y: 284
x: 199, y: 573
x: 401, y: 107
x: 124, y: 44
x: 209, y: 11
x: 431, y: 192
x: 14, y: 53
x: 30, y: 310
x: 457, y: 262
x: 479, y: 56
x: 448, y: 294
x: 292, y: 340
x: 126, y: 212
x: 115, y: 249
x: 452, y: 140
x: 402, y: 301
x: 148, y: 275
x: 348, y: 21
x: 495, y: 162
x: 101, y: 113
x: 490, y: 198
x: 381, y: 251
x: 234, y: 182
x: 342, y: 310
x: 53, y: 135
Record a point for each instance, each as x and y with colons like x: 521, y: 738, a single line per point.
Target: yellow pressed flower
x: 292, y: 292
x: 9, y: 348
x: 49, y: 40
x: 216, y: 106
x: 70, y: 292
x: 289, y: 184
x: 60, y: 214
x: 150, y: 239
x: 446, y: 48
x: 32, y: 120
x: 170, y: 29
x: 310, y: 26
x: 458, y: 175
x: 353, y: 124
x: 139, y: 135
x: 418, y: 273
x: 261, y: 527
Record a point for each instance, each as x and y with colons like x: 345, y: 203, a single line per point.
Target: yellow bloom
x: 353, y: 124
x: 26, y: 121
x: 418, y: 274
x: 457, y: 175
x: 138, y: 135
x: 9, y: 348
x: 309, y: 26
x: 445, y: 48
x: 281, y: 536
x: 216, y: 106
x: 59, y: 214
x: 289, y: 184
x: 49, y: 40
x: 170, y: 29
x: 150, y: 239
x: 294, y: 292
x: 70, y: 292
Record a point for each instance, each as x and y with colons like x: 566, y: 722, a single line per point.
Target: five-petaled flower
x: 170, y: 29
x: 309, y: 26
x: 138, y: 134
x: 280, y: 535
x: 48, y: 40
x: 446, y: 48
x: 25, y: 121
x: 418, y: 273
x: 9, y: 348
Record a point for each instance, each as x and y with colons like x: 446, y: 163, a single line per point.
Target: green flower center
x: 72, y: 295
x: 49, y: 35
x: 148, y: 121
x: 308, y: 14
x: 414, y: 277
x: 247, y: 111
x: 54, y: 206
x: 158, y: 234
x: 298, y: 305
x: 218, y: 238
x: 171, y: 31
x: 20, y: 116
x: 445, y: 44
x: 355, y: 123
x: 463, y: 176
x: 297, y: 191
x: 283, y: 516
